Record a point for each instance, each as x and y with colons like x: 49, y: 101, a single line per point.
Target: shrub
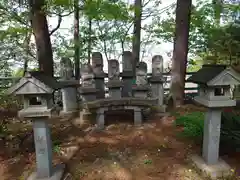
x: 193, y: 124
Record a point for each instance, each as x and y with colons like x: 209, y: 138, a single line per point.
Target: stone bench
x: 128, y: 103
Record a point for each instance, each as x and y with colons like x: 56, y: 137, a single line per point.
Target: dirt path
x: 121, y: 152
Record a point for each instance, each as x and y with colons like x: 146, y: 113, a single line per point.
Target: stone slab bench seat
x: 102, y: 105
x: 125, y: 101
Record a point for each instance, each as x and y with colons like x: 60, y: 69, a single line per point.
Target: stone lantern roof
x: 35, y: 82
x: 215, y: 75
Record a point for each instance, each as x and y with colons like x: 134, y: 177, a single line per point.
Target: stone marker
x: 37, y: 90
x: 214, y: 92
x: 141, y: 88
x: 99, y: 75
x: 88, y: 86
x: 69, y: 90
x: 114, y: 83
x: 157, y: 79
x: 127, y: 74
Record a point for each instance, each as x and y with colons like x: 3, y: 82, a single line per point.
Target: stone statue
x: 97, y: 62
x: 141, y: 74
x: 66, y: 69
x: 87, y: 76
x: 157, y: 65
x: 127, y: 61
x: 113, y: 69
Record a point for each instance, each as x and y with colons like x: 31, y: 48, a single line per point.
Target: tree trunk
x: 137, y: 32
x: 42, y: 37
x: 76, y: 40
x: 89, y: 39
x: 180, y: 51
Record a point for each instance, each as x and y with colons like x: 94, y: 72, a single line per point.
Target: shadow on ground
x: 121, y: 151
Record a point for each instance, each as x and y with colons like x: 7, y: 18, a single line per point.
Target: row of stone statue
x: 92, y: 85
x: 96, y: 69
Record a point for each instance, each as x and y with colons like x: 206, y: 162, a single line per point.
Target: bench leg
x: 100, y: 118
x: 137, y: 117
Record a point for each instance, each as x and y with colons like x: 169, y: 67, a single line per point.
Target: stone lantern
x: 214, y: 93
x: 37, y: 92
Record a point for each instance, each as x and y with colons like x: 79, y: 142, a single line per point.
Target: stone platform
x: 215, y: 171
x: 58, y: 172
x: 110, y: 104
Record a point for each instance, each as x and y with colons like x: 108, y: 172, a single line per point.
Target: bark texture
x: 42, y: 36
x: 180, y: 51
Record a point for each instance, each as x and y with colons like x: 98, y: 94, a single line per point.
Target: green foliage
x: 3, y: 129
x: 208, y: 39
x: 10, y: 102
x: 193, y: 124
x: 230, y: 134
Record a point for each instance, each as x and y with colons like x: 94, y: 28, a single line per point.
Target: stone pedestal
x: 127, y: 80
x: 140, y: 91
x: 215, y: 171
x: 157, y: 89
x: 100, y: 118
x: 69, y: 99
x: 211, y: 138
x: 114, y: 88
x: 88, y: 94
x: 137, y: 116
x: 43, y: 148
x: 100, y: 85
x: 210, y: 163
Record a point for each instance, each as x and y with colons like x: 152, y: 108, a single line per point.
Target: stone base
x: 57, y: 174
x: 68, y: 113
x: 219, y: 170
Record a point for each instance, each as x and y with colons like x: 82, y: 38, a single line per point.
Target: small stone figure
x: 141, y: 74
x: 66, y: 69
x: 97, y: 62
x: 113, y: 69
x: 157, y: 66
x: 127, y: 61
x: 87, y: 76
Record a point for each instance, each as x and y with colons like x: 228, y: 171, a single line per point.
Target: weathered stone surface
x: 66, y: 69
x: 87, y: 76
x: 211, y: 137
x: 88, y: 89
x: 113, y: 69
x: 99, y: 75
x: 157, y: 79
x: 58, y: 172
x: 219, y: 170
x: 97, y: 63
x: 110, y: 102
x: 127, y: 61
x: 157, y: 66
x: 141, y: 74
x: 127, y: 74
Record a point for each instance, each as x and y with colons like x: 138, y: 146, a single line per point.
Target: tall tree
x: 180, y: 51
x: 137, y: 31
x: 42, y: 37
x: 76, y: 39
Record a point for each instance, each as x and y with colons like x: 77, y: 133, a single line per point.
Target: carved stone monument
x: 141, y: 87
x: 214, y: 92
x: 99, y: 75
x: 69, y: 90
x: 114, y: 83
x: 157, y: 79
x: 36, y: 90
x: 88, y: 86
x: 127, y: 74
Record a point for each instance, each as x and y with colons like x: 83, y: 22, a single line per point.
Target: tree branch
x: 58, y: 25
